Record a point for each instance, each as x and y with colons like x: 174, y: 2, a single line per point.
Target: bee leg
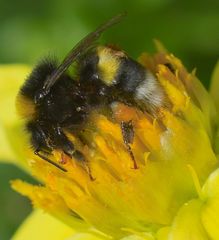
x: 79, y: 156
x: 128, y: 137
x: 42, y: 156
x: 62, y: 142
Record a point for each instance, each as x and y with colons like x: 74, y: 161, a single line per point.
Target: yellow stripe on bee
x: 109, y: 63
x: 25, y: 107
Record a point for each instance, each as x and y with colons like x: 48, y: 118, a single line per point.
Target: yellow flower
x: 173, y: 195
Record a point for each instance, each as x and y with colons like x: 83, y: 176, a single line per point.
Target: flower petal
x: 40, y: 225
x: 142, y: 236
x: 6, y: 153
x: 187, y: 224
x: 85, y: 236
x: 159, y: 46
x: 163, y: 233
x: 11, y: 140
x: 51, y: 203
x: 210, y: 209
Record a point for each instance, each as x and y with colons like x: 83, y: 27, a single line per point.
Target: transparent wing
x: 79, y: 49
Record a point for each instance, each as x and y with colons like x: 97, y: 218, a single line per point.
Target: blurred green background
x: 31, y: 29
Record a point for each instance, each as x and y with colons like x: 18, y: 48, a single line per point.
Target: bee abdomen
x: 150, y: 92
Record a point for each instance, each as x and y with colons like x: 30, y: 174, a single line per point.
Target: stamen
x: 195, y: 180
x: 141, y: 235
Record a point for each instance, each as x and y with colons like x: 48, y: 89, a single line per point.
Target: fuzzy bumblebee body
x: 51, y: 100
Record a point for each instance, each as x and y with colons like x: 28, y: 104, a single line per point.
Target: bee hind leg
x: 128, y: 138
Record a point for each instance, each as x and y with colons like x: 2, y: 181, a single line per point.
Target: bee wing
x: 79, y: 49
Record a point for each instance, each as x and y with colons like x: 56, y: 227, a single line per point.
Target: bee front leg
x: 42, y: 154
x: 68, y: 148
x: 128, y: 138
x: 40, y: 142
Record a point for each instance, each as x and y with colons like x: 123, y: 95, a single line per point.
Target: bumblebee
x: 52, y: 100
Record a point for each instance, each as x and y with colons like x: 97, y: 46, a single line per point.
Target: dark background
x: 31, y: 29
